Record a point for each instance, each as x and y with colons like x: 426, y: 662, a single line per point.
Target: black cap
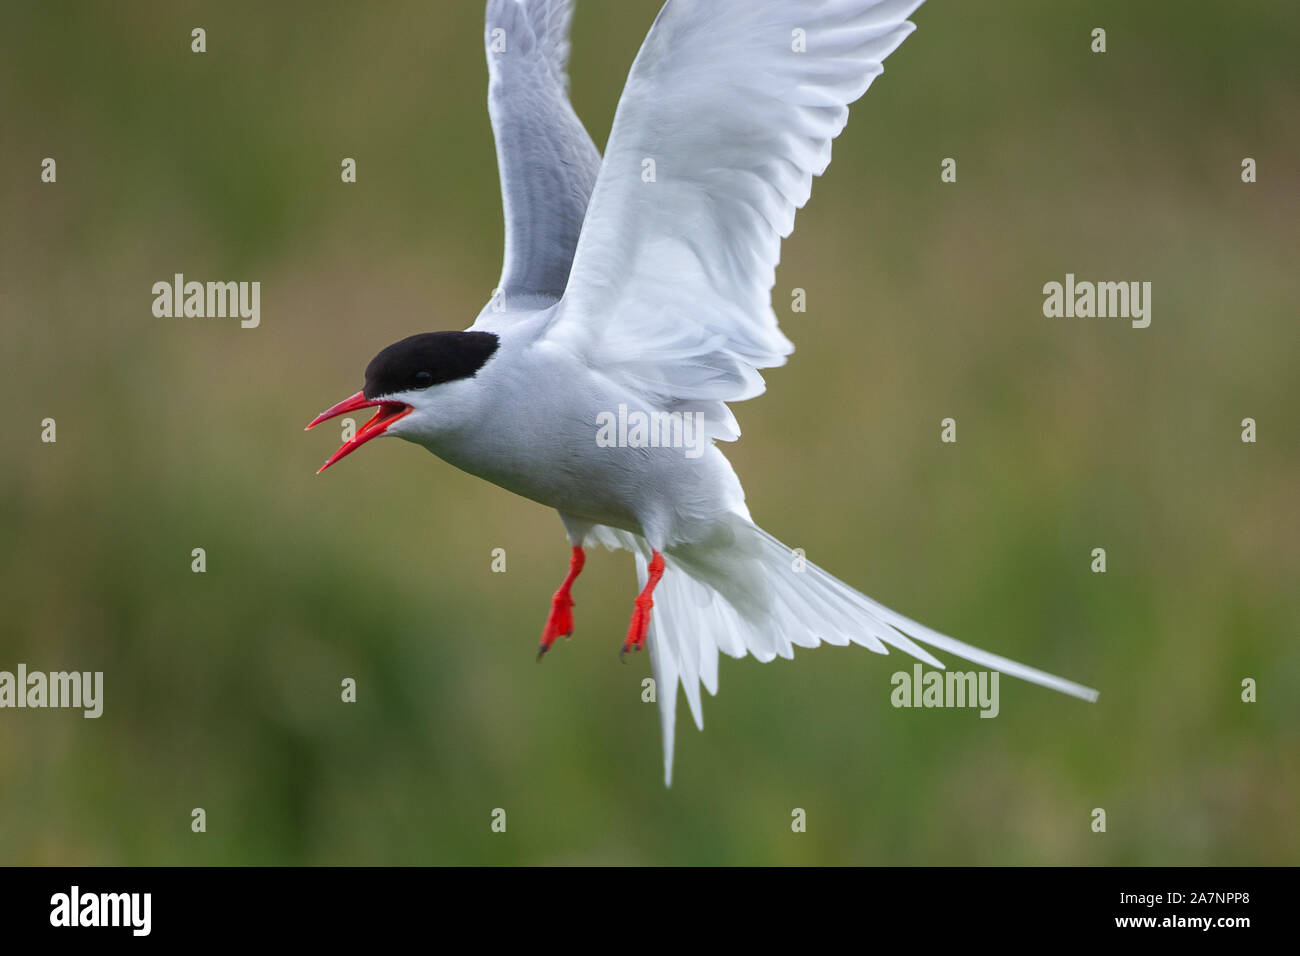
x: 430, y: 358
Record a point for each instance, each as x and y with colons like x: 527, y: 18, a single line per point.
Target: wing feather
x: 548, y: 163
x: 728, y: 114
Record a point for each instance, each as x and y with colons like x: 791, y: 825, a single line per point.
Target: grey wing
x: 548, y: 163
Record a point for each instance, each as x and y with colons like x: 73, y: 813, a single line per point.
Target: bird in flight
x: 634, y: 304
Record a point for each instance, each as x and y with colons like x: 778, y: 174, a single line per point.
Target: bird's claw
x: 558, y: 624
x: 636, y: 632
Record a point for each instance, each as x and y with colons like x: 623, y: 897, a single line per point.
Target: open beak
x: 388, y: 413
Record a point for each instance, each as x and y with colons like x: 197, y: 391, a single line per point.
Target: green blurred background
x: 924, y: 301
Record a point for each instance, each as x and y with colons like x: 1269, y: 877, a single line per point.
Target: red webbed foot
x: 640, y: 626
x: 560, y: 621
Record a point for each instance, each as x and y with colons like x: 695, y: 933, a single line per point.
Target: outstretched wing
x: 728, y: 114
x: 548, y: 163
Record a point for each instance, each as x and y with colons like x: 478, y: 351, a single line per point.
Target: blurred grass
x: 221, y: 690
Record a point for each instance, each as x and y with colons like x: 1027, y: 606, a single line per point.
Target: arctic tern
x: 641, y: 283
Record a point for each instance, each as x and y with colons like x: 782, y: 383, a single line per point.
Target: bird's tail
x: 744, y: 592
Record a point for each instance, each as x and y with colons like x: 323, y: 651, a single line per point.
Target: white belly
x: 540, y: 435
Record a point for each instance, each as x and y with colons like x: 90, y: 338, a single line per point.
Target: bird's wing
x: 727, y: 116
x: 548, y: 163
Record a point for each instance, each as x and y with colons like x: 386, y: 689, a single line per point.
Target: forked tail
x: 744, y: 592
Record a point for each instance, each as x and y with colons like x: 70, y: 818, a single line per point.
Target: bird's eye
x: 423, y: 379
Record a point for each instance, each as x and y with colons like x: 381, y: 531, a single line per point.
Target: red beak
x: 388, y: 413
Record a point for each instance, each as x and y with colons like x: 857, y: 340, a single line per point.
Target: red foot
x: 636, y: 632
x: 560, y: 622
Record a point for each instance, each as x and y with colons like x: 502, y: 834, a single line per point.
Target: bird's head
x: 409, y: 382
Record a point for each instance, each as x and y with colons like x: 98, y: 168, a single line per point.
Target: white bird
x: 636, y: 290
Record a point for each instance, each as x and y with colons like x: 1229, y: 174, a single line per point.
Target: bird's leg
x: 636, y: 631
x: 560, y: 621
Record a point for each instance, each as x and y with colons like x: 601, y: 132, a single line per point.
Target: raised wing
x: 728, y: 114
x: 548, y: 163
